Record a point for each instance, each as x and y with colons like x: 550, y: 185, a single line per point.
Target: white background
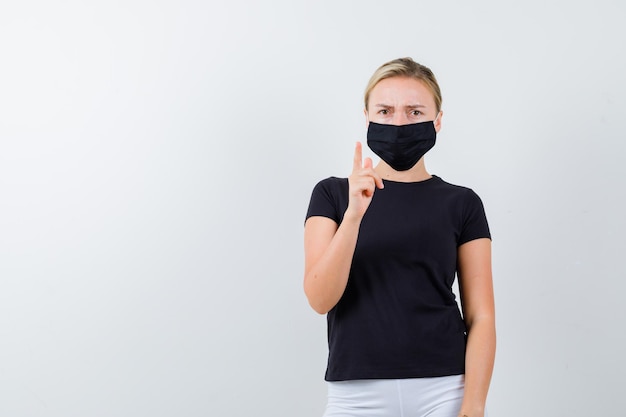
x: 156, y: 161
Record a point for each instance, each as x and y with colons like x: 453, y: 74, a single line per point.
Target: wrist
x: 474, y: 412
x: 351, y: 217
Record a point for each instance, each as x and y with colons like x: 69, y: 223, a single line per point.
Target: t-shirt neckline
x: 433, y: 178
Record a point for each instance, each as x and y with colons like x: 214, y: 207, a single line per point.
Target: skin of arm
x: 328, y: 248
x: 328, y: 257
x: 477, y: 299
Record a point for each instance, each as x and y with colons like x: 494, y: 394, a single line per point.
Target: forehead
x: 401, y: 91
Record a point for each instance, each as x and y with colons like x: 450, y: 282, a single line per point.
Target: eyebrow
x: 410, y: 106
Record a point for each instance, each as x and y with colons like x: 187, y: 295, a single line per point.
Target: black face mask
x: 401, y: 146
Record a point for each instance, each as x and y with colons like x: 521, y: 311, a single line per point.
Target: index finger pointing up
x: 358, y: 157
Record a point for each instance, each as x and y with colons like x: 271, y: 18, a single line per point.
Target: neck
x: 415, y: 174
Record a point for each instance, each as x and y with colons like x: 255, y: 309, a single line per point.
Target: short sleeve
x: 328, y: 199
x: 475, y: 224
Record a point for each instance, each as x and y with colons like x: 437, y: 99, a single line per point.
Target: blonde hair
x: 405, y: 67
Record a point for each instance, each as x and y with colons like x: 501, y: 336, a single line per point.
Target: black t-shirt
x: 398, y: 317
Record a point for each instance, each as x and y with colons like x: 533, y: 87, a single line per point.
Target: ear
x: 438, y: 121
x: 367, y: 117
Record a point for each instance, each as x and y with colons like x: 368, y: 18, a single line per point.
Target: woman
x: 382, y: 249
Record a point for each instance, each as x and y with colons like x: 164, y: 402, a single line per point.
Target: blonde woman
x: 382, y: 250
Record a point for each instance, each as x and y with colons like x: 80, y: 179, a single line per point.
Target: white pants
x: 413, y: 397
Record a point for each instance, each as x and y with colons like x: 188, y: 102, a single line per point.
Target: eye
x: 383, y: 112
x: 416, y: 113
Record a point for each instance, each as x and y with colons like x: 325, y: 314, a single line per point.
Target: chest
x: 410, y: 226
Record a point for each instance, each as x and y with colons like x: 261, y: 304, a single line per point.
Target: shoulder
x: 449, y: 186
x: 329, y: 199
x: 331, y: 185
x: 470, y: 207
x: 464, y: 198
x: 455, y: 189
x: 333, y: 182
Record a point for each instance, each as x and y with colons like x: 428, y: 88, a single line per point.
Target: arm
x: 328, y: 248
x: 476, y: 288
x: 328, y: 256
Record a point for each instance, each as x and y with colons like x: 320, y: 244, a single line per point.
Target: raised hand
x: 362, y: 182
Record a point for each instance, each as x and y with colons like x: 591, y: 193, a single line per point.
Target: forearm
x: 326, y: 281
x: 479, y: 359
x: 329, y: 251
